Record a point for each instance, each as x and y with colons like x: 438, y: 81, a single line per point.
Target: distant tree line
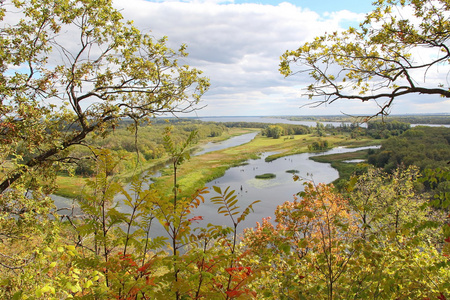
x: 382, y: 130
x: 443, y: 119
x: 245, y: 124
x: 374, y: 129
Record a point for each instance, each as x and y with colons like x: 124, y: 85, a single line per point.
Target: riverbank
x: 200, y: 170
x: 71, y: 186
x: 342, y: 162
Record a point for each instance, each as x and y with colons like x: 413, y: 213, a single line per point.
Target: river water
x: 274, y: 120
x: 271, y: 192
x: 231, y: 142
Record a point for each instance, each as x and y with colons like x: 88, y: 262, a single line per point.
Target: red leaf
x: 234, y: 293
x: 150, y: 281
x: 230, y: 270
x: 442, y: 297
x: 144, y: 268
x: 197, y: 218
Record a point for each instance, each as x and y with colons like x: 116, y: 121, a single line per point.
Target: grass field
x: 71, y: 186
x: 199, y: 170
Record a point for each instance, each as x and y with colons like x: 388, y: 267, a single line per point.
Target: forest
x: 379, y: 235
x: 92, y: 121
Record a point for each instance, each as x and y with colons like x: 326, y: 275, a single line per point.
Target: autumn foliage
x: 378, y: 240
x: 381, y: 237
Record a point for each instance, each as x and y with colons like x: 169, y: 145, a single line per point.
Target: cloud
x: 238, y: 47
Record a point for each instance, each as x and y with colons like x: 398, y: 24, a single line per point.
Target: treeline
x: 425, y: 147
x: 374, y: 129
x: 443, y: 119
x: 319, y: 145
x: 383, y: 130
x: 279, y: 130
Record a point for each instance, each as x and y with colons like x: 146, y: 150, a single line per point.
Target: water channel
x: 271, y: 192
x: 231, y: 142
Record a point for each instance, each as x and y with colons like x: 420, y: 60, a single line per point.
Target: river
x: 231, y: 142
x: 271, y: 192
x: 271, y: 120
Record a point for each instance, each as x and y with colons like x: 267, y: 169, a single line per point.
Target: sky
x: 238, y: 44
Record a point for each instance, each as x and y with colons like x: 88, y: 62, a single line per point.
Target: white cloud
x: 238, y: 47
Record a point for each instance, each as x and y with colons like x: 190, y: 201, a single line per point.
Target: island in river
x: 210, y: 159
x: 242, y: 159
x: 199, y: 170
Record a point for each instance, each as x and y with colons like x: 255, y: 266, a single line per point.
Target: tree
x: 73, y: 68
x: 376, y: 242
x: 379, y: 61
x: 274, y: 131
x: 308, y: 249
x: 320, y: 129
x: 420, y: 146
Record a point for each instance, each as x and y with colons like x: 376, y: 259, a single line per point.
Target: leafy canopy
x: 73, y: 67
x: 399, y: 45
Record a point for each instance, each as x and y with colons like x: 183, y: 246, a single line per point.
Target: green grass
x: 194, y: 173
x: 352, y: 143
x: 199, y: 170
x: 266, y: 176
x: 330, y: 158
x: 70, y: 186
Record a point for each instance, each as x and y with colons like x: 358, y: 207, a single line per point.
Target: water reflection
x: 271, y: 192
x: 232, y: 142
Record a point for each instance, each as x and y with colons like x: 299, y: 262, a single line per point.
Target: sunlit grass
x: 199, y: 170
x: 266, y: 176
x: 70, y: 187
